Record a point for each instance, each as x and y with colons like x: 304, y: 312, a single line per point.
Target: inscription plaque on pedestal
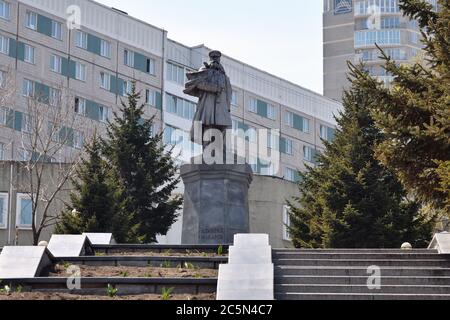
x: 215, y: 203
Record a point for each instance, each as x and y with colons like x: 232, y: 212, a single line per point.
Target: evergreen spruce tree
x: 350, y: 200
x: 414, y: 113
x: 93, y: 197
x: 144, y: 171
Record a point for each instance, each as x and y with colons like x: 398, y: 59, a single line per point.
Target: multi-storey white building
x: 351, y: 28
x: 96, y: 63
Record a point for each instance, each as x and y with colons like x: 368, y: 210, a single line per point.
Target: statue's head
x: 215, y: 55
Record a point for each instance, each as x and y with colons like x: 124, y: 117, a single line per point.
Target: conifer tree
x: 144, y: 171
x: 350, y: 200
x: 92, y: 205
x: 414, y: 112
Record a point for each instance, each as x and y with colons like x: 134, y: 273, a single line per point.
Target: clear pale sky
x: 283, y: 37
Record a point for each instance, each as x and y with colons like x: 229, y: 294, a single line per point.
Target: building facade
x: 351, y: 28
x: 94, y: 64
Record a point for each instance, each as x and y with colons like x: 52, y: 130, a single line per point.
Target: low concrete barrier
x: 158, y: 248
x: 125, y: 286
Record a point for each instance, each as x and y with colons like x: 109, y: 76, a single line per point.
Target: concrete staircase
x: 343, y: 274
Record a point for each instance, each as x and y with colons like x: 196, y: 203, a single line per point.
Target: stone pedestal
x: 215, y: 202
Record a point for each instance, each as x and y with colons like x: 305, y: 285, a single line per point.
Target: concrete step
x: 359, y: 296
x: 360, y: 271
x: 385, y: 289
x: 358, y: 256
x: 362, y: 280
x: 354, y: 251
x: 363, y: 262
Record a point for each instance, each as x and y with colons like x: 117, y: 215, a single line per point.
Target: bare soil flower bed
x: 64, y: 296
x: 161, y: 254
x: 135, y: 272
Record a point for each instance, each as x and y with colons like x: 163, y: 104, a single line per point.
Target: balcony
x: 368, y: 38
x: 370, y: 7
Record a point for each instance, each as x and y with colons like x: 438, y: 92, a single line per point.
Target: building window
x: 151, y: 66
x: 31, y: 20
x: 4, y: 45
x: 182, y: 108
x: 27, y: 123
x: 253, y: 105
x: 3, y: 210
x: 54, y: 98
x: 78, y: 139
x: 3, y: 115
x: 271, y: 112
x: 365, y: 7
x: 234, y: 99
x: 81, y: 39
x: 327, y: 133
x: 308, y: 154
x: 28, y: 88
x: 323, y: 132
x: 103, y: 114
x: 272, y: 141
x: 150, y: 97
x: 170, y: 135
x: 289, y: 119
x: 80, y: 106
x: 105, y: 48
x: 80, y: 71
x: 56, y: 30
x: 252, y: 135
x: 105, y: 81
x: 24, y: 211
x: 5, y: 10
x: 370, y: 37
x: 56, y: 63
x: 128, y: 58
x: 2, y: 150
x: 171, y: 104
x: 286, y: 224
x: 287, y: 147
x: 29, y: 54
x: 390, y: 23
x: 175, y: 73
x: 290, y: 174
x: 306, y: 125
x: 189, y: 109
x: 127, y: 88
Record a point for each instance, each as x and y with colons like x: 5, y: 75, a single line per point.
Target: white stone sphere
x: 43, y: 244
x: 406, y: 246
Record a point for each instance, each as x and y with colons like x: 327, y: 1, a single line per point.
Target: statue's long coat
x: 213, y: 88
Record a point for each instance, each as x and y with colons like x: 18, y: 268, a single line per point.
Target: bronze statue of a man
x: 213, y: 88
